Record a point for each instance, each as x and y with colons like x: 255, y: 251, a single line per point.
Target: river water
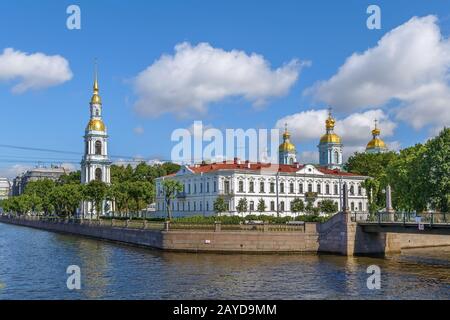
x: 33, y: 265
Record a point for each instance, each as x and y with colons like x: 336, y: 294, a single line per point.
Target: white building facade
x: 5, y: 188
x: 277, y: 185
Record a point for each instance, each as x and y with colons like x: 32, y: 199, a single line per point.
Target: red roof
x: 285, y: 168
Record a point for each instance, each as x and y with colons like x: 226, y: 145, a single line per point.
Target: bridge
x: 399, y: 222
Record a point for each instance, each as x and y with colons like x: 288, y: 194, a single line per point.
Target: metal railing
x: 430, y: 218
x: 161, y: 225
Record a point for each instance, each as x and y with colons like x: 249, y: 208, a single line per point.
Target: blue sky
x: 129, y: 36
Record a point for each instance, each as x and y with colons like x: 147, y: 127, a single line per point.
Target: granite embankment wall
x: 338, y: 235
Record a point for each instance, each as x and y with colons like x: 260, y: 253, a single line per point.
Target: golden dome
x: 376, y: 143
x: 96, y: 125
x: 330, y: 138
x: 286, y: 146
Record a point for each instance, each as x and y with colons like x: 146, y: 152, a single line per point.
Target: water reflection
x: 34, y: 263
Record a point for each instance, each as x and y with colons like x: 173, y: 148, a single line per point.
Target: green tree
x: 142, y: 193
x: 73, y: 177
x: 297, y: 205
x: 408, y: 180
x: 328, y: 206
x: 220, y: 205
x: 373, y: 165
x: 66, y: 199
x: 42, y: 189
x: 242, y: 205
x: 309, y: 207
x: 95, y: 192
x: 119, y: 193
x: 261, y: 206
x: 436, y: 171
x: 170, y: 190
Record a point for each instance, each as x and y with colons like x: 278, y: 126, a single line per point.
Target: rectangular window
x: 215, y: 186
x: 291, y: 188
x: 252, y: 186
x: 272, y: 187
x: 300, y: 188
x: 336, y: 191
x: 252, y: 206
x: 282, y: 188
x: 227, y: 186
x: 241, y: 186
x: 272, y: 205
x: 261, y: 187
x: 319, y: 189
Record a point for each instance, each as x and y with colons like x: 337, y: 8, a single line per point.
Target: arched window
x: 352, y: 190
x: 98, y: 174
x: 87, y: 148
x: 327, y: 189
x: 98, y: 147
x: 336, y: 157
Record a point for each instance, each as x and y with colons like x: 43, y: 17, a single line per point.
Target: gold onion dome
x: 376, y: 142
x: 330, y: 136
x: 96, y: 125
x: 286, y: 146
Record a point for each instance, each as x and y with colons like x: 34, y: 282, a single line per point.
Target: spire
x: 95, y: 96
x: 329, y: 123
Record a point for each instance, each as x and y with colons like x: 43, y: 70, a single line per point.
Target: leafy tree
x: 66, y: 199
x: 220, y: 205
x: 436, y: 169
x: 328, y: 206
x: 297, y: 205
x: 73, y: 177
x: 42, y: 189
x: 407, y: 179
x: 261, y: 206
x: 170, y: 189
x: 309, y: 207
x: 242, y: 205
x: 373, y: 165
x: 372, y: 187
x: 142, y: 194
x: 95, y: 191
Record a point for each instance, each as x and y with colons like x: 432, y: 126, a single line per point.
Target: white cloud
x: 355, y: 129
x: 33, y: 71
x: 410, y: 64
x: 139, y: 130
x: 195, y: 76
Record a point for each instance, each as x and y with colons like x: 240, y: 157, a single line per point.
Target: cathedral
x: 95, y: 164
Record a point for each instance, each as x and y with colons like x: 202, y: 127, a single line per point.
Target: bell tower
x: 95, y: 164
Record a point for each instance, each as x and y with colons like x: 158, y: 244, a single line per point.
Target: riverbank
x: 339, y: 235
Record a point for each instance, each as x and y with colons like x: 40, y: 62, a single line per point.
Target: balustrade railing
x: 430, y: 218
